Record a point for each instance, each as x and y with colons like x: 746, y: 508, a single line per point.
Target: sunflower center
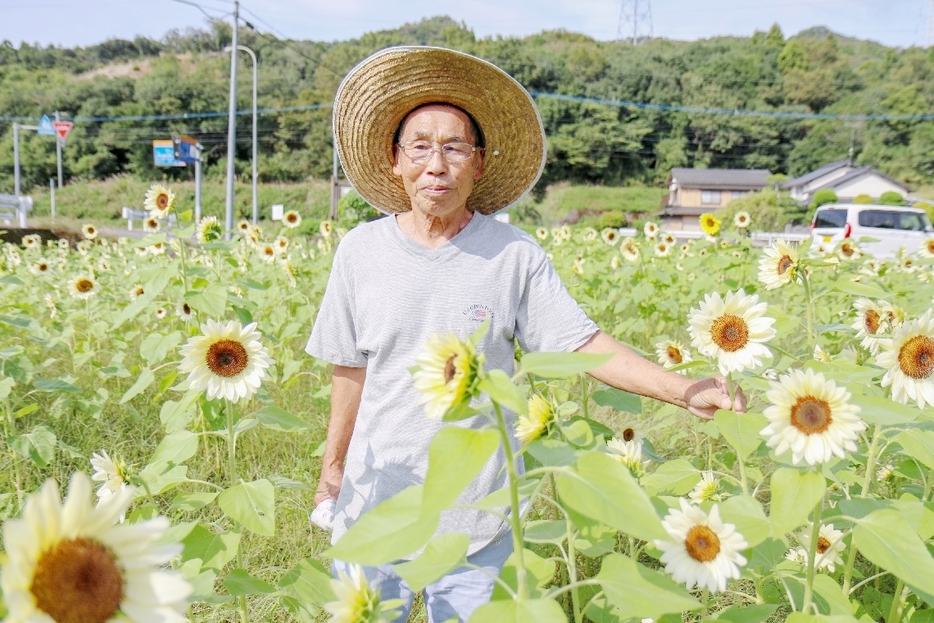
x: 702, y: 544
x: 78, y: 581
x: 449, y: 369
x: 822, y: 545
x: 43, y: 267
x: 674, y: 354
x: 930, y: 245
x: 871, y: 321
x: 84, y: 286
x: 186, y: 309
x: 784, y: 264
x: 290, y: 218
x: 811, y: 415
x: 227, y: 358
x: 847, y: 250
x: 162, y: 201
x: 916, y: 357
x: 729, y: 332
x: 629, y: 434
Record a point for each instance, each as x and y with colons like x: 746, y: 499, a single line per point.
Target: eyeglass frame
x: 439, y: 150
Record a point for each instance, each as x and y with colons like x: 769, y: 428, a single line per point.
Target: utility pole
x: 635, y: 21
x: 232, y: 125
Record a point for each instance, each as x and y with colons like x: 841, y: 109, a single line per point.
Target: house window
x: 739, y: 193
x: 710, y: 197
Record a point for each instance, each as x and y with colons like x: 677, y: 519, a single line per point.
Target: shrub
x: 613, y: 218
x: 864, y: 198
x: 821, y: 197
x: 353, y: 209
x: 768, y: 210
x: 892, y: 198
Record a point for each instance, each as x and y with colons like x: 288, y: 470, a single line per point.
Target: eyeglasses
x: 420, y: 152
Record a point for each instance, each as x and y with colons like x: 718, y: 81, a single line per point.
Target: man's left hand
x: 706, y: 396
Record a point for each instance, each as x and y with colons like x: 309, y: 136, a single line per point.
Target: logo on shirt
x: 479, y: 313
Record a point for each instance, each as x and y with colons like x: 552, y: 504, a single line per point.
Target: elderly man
x: 439, y: 140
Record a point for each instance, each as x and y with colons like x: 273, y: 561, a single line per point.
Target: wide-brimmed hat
x: 377, y: 94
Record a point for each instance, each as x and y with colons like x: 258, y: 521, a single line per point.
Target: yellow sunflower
x: 536, y: 423
x: 710, y: 224
x: 447, y: 375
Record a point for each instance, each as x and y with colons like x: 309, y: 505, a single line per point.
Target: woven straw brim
x: 378, y: 93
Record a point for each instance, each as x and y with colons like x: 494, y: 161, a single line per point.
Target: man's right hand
x: 329, y: 486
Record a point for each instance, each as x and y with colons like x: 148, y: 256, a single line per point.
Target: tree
x: 892, y: 198
x: 821, y: 197
x: 792, y: 57
x: 864, y: 198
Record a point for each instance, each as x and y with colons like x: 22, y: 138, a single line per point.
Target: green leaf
x: 39, y: 445
x: 252, y: 504
x: 176, y: 448
x: 887, y: 540
x: 442, y: 555
x: 639, y: 592
x: 160, y: 477
x: 919, y: 444
x: 55, y: 385
x: 193, y: 501
x: 19, y: 323
x: 131, y: 311
x: 156, y: 347
x: 553, y: 452
x: 675, y: 477
x: 455, y: 457
x: 391, y: 531
x: 538, y: 572
x: 741, y: 430
x: 882, y: 411
x: 214, y: 550
x: 514, y: 611
x: 603, y: 490
x: 747, y: 613
x: 795, y: 493
x: 848, y: 286
x: 500, y: 389
x: 6, y: 386
x: 239, y: 582
x: 308, y: 582
x: 578, y: 433
x: 280, y: 419
x: 745, y: 512
x: 618, y: 399
x: 211, y: 301
x: 546, y: 531
x: 145, y: 379
x: 560, y: 365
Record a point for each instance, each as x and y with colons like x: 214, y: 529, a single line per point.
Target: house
x: 847, y: 180
x: 692, y: 192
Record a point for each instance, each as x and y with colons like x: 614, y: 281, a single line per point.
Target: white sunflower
x: 535, y: 425
x: 609, y: 235
x: 184, y: 311
x: 541, y: 233
x: 210, y: 230
x: 732, y: 329
x: 109, y: 472
x: 69, y: 562
x: 650, y: 230
x: 614, y: 262
x: 926, y: 248
x: 672, y: 353
x: 829, y: 547
x: 281, y: 243
x: 848, y: 250
x: 40, y: 266
x: 870, y: 324
x: 326, y: 228
x: 89, y: 231
x: 741, y: 219
x: 357, y: 601
x: 152, y: 224
x: 267, y: 252
x: 662, y: 249
x: 811, y: 417
x: 159, y: 201
x: 447, y: 375
x: 629, y: 453
x: 589, y: 234
x: 707, y: 490
x: 83, y: 287
x: 291, y: 219
x: 228, y: 361
x: 704, y: 551
x: 629, y: 249
x: 160, y: 313
x: 779, y: 265
x: 909, y: 359
x: 31, y: 242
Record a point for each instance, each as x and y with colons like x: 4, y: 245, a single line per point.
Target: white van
x: 891, y: 227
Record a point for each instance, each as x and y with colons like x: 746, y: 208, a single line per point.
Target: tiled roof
x: 813, y: 175
x: 721, y: 179
x: 859, y: 172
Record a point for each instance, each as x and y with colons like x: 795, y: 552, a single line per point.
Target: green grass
x: 562, y: 198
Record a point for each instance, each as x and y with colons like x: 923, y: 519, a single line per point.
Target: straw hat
x: 377, y: 94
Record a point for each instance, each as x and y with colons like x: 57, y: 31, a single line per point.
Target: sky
x: 898, y: 23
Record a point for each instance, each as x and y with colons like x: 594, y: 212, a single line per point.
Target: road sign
x: 62, y: 128
x: 186, y: 148
x: 45, y: 126
x: 163, y: 154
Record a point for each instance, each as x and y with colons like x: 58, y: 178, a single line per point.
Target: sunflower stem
x: 232, y: 475
x: 895, y: 613
x: 572, y: 573
x: 705, y: 600
x: 812, y: 555
x: 848, y: 569
x: 585, y: 397
x: 14, y: 458
x: 810, y: 312
x: 870, y: 462
x: 517, y: 539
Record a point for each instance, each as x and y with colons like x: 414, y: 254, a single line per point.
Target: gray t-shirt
x: 386, y: 296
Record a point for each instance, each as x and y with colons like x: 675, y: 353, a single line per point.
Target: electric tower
x: 635, y: 21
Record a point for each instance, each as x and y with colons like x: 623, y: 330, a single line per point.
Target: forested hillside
x: 187, y: 72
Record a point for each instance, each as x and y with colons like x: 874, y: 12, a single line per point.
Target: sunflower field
x: 161, y: 383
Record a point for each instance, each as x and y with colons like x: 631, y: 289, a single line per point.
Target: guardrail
x: 12, y: 207
x: 132, y: 214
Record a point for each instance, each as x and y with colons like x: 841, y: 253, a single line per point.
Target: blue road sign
x: 163, y: 154
x: 45, y: 126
